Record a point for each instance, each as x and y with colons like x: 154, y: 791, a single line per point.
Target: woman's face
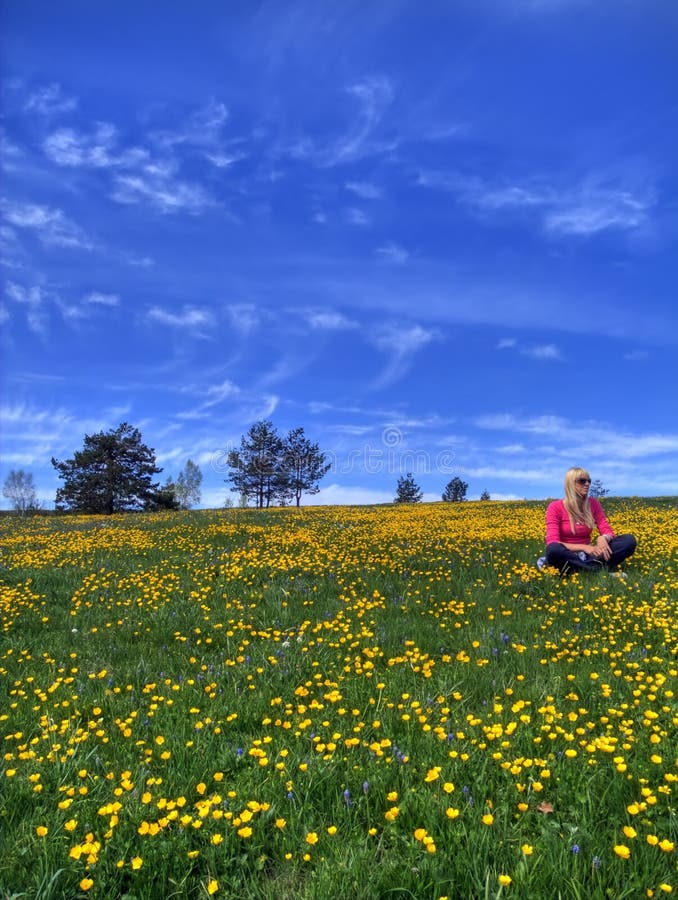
x: 581, y: 486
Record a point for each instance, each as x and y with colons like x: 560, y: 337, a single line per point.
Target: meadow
x: 370, y: 702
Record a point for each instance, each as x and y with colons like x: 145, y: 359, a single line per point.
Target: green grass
x: 175, y: 686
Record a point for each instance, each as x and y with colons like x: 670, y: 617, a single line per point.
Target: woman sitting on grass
x: 569, y: 523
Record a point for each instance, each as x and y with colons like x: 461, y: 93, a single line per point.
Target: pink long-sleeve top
x: 559, y: 530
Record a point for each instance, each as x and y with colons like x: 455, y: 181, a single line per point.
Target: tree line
x: 408, y: 491
x: 115, y: 472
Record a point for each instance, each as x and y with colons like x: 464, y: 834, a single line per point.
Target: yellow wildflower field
x: 336, y: 701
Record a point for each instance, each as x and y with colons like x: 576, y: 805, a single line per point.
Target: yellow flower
x: 666, y: 888
x: 331, y: 829
x: 392, y: 796
x: 652, y: 840
x: 630, y: 832
x: 432, y: 774
x: 505, y: 880
x: 280, y: 822
x: 311, y: 838
x: 245, y: 831
x: 137, y: 862
x: 86, y: 884
x: 622, y: 851
x: 451, y: 812
x: 488, y: 819
x: 392, y: 814
x: 666, y: 846
x: 41, y: 831
x: 448, y: 787
x: 527, y: 849
x: 217, y: 839
x: 212, y: 886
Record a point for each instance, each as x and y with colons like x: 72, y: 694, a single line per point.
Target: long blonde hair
x: 577, y: 509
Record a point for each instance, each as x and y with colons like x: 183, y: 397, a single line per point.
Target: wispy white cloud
x: 158, y: 186
x: 544, y: 425
x: 34, y: 300
x: 543, y: 351
x: 203, y: 127
x: 373, y: 96
x: 511, y: 449
x: 88, y: 306
x: 404, y: 340
x: 192, y: 318
x: 392, y: 253
x: 137, y: 177
x: 69, y: 147
x: 244, y: 317
x: 50, y: 100
x: 400, y: 343
x: 540, y: 351
x: 355, y: 216
x: 583, y: 208
x: 583, y: 439
x: 51, y: 225
x: 364, y: 189
x: 328, y: 320
x: 224, y: 160
x: 263, y: 408
x: 32, y: 433
x: 218, y: 392
x: 141, y: 262
x: 598, y: 210
x: 96, y: 298
x: 12, y: 155
x: 212, y: 396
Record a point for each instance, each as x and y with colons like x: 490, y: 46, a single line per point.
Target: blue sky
x: 439, y: 236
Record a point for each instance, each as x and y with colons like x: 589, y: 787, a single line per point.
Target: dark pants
x: 622, y: 546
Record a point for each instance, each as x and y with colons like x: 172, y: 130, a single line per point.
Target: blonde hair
x: 578, y: 509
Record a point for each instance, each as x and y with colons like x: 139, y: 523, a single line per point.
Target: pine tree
x: 455, y: 490
x: 597, y: 489
x: 112, y: 473
x: 408, y: 490
x: 255, y: 467
x: 303, y: 465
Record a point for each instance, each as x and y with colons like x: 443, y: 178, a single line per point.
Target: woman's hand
x: 601, y: 548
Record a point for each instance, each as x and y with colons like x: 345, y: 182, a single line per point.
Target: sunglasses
x: 583, y: 480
